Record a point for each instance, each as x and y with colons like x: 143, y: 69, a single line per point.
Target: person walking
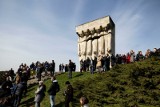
x: 39, y: 94
x: 54, y: 88
x: 68, y: 94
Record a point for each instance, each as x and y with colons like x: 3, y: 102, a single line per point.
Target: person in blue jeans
x: 52, y: 91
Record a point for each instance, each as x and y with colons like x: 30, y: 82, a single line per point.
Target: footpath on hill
x: 34, y: 80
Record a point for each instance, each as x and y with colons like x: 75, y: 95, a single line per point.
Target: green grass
x: 130, y: 85
x: 28, y: 101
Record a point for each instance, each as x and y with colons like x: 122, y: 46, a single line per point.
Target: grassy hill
x: 129, y: 85
x: 28, y: 101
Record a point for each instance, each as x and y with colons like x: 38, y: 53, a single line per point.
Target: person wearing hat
x: 68, y: 94
x: 40, y: 93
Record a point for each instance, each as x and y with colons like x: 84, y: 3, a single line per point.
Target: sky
x: 44, y: 30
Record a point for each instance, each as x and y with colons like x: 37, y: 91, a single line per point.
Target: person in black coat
x: 6, y: 85
x: 70, y: 66
x: 68, y: 94
x: 52, y: 90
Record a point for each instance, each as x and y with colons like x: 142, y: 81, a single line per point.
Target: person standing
x: 39, y: 94
x: 94, y: 63
x: 70, y: 69
x: 91, y: 66
x: 19, y: 91
x: 7, y: 85
x: 132, y: 56
x: 52, y: 90
x: 68, y: 94
x: 39, y: 71
x: 52, y: 67
x: 99, y: 64
x: 81, y: 65
x: 11, y: 73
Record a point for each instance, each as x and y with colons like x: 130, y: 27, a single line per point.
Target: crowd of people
x: 15, y: 85
x: 105, y: 62
x: 64, y: 68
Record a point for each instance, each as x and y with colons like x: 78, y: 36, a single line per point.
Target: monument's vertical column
x: 105, y: 32
x: 94, y: 44
x: 89, y: 48
x: 109, y: 41
x: 101, y: 42
x: 84, y: 47
x: 89, y: 44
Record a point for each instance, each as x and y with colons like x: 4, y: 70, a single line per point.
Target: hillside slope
x: 129, y: 85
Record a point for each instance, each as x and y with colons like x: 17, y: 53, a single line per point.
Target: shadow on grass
x: 32, y: 85
x: 61, y: 104
x: 78, y: 75
x: 30, y: 89
x: 28, y: 103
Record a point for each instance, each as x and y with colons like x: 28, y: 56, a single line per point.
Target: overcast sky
x: 43, y: 30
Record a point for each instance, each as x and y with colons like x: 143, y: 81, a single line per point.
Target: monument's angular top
x: 95, y: 24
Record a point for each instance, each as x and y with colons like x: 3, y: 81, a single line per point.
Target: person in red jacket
x: 128, y: 58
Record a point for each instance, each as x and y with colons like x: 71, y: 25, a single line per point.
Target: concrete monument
x: 96, y: 38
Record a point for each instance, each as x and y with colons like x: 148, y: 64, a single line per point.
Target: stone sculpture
x: 96, y: 38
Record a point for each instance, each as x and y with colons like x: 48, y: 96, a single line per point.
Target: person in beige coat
x: 99, y: 64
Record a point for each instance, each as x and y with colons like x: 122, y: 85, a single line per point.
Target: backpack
x: 57, y: 88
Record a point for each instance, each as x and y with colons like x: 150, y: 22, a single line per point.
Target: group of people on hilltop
x: 100, y: 63
x: 16, y: 84
x: 105, y: 62
x: 37, y: 69
x: 46, y: 67
x: 70, y: 67
x: 64, y: 68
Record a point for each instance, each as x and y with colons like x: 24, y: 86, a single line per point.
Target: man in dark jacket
x: 52, y: 90
x: 6, y: 85
x: 68, y: 94
x: 70, y: 66
x: 19, y: 92
x: 52, y: 67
